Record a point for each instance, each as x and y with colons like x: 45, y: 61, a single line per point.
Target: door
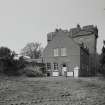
x: 64, y: 70
x: 76, y: 71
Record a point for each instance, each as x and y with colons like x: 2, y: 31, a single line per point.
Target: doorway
x: 64, y: 69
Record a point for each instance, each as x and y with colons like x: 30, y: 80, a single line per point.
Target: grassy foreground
x: 52, y: 91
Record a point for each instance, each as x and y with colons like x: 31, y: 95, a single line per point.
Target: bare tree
x: 33, y: 50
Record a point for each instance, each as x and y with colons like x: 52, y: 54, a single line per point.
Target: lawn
x: 52, y: 91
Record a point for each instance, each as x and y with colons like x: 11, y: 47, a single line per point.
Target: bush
x: 30, y: 71
x: 9, y: 65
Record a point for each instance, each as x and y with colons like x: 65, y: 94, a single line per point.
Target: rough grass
x: 52, y: 91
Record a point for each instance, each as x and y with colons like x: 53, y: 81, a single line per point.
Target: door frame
x: 64, y: 69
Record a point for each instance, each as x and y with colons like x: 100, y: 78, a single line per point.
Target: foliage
x: 6, y: 53
x: 9, y: 65
x: 33, y: 50
x: 102, y: 59
x: 31, y: 71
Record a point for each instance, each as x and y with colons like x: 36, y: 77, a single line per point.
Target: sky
x: 24, y: 21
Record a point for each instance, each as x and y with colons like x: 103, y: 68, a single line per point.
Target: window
x: 48, y: 66
x: 55, y: 66
x: 56, y: 52
x: 63, y: 52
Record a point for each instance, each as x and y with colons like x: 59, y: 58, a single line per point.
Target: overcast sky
x: 23, y: 21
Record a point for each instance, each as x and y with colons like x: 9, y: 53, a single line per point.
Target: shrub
x: 31, y: 71
x: 9, y: 65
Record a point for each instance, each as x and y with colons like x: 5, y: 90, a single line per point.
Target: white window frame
x: 56, y: 52
x: 56, y: 66
x: 63, y: 52
x: 48, y: 66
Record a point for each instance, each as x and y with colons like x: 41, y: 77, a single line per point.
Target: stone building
x: 67, y: 50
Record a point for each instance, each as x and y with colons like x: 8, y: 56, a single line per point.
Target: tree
x: 6, y: 59
x: 6, y: 53
x: 8, y: 65
x: 33, y: 50
x: 102, y: 59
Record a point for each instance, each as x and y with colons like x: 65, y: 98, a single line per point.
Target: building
x: 67, y: 50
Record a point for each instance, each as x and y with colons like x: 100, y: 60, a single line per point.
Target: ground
x: 52, y: 91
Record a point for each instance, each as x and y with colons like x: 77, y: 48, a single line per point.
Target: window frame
x: 56, y: 66
x: 63, y: 51
x: 56, y: 52
x: 48, y: 66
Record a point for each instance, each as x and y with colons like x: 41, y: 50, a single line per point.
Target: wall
x: 84, y: 62
x: 61, y: 40
x: 89, y: 35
